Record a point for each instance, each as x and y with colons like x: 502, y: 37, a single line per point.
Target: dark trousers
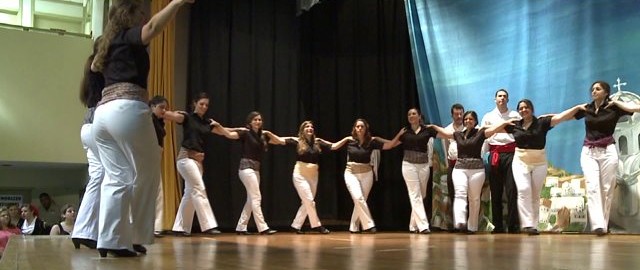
x: 501, y: 180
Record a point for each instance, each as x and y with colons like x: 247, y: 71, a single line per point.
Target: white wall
x: 40, y: 114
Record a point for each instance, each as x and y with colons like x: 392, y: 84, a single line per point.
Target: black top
x: 127, y: 59
x: 471, y: 146
x: 158, y: 125
x: 417, y: 142
x: 38, y: 229
x: 603, y: 123
x: 252, y: 144
x: 362, y: 154
x: 535, y: 137
x: 194, y: 129
x: 62, y: 231
x: 95, y: 82
x: 311, y: 154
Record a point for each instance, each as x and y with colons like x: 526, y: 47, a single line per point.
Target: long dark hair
x: 528, y: 103
x: 247, y: 123
x: 367, y: 134
x: 157, y: 100
x: 122, y: 15
x: 303, y: 145
x: 605, y: 86
x: 89, y: 94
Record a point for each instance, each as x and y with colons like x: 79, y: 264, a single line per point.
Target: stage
x: 341, y: 250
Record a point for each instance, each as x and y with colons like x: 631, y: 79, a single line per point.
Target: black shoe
x: 498, y: 231
x: 297, y: 231
x: 116, y: 252
x: 158, y: 234
x: 213, y: 231
x: 425, y: 231
x: 600, y: 232
x: 268, y: 232
x: 469, y: 232
x: 85, y: 242
x: 140, y: 249
x: 370, y: 230
x: 355, y: 232
x: 530, y: 231
x: 243, y: 233
x: 179, y: 233
x: 321, y: 230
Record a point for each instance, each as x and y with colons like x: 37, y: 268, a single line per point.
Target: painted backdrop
x: 549, y: 52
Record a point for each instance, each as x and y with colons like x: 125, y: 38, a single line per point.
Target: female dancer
x: 305, y: 172
x: 254, y: 142
x: 68, y: 213
x: 415, y: 167
x: 530, y: 161
x: 189, y: 163
x: 599, y: 157
x: 468, y: 173
x: 85, y: 230
x: 122, y: 128
x: 358, y: 173
x: 158, y: 105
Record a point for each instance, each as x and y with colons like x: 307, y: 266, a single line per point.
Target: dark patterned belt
x: 124, y: 90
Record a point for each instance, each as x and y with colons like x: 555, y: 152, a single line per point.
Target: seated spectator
x: 49, y: 210
x: 6, y: 229
x: 30, y: 224
x: 65, y: 227
x: 14, y: 214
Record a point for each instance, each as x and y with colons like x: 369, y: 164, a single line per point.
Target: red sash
x: 495, y: 151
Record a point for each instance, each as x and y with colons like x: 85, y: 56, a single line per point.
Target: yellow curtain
x: 161, y: 79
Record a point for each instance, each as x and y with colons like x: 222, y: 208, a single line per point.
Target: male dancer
x: 501, y: 147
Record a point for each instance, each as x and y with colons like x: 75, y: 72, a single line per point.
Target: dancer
x: 501, y: 148
x: 305, y: 172
x: 530, y: 161
x: 359, y: 175
x: 468, y: 174
x: 254, y: 142
x: 85, y: 230
x: 189, y: 163
x: 451, y: 151
x: 158, y: 105
x: 415, y: 168
x: 122, y: 128
x: 599, y: 156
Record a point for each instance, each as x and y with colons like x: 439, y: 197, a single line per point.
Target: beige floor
x: 341, y: 251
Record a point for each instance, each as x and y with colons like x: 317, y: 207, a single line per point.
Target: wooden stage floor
x: 341, y: 250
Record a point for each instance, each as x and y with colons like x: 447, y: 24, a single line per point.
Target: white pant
x: 416, y: 177
x: 194, y: 198
x: 359, y: 186
x: 86, y: 225
x: 529, y: 180
x: 305, y: 180
x: 467, y: 184
x: 125, y: 138
x: 157, y: 225
x: 251, y: 181
x: 599, y: 166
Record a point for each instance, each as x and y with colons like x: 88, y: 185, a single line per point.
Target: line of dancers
x: 124, y: 163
